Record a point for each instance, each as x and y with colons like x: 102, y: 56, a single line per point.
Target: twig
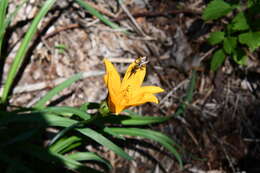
x: 63, y: 28
x: 68, y: 27
x: 192, y: 136
x: 131, y: 18
x: 121, y: 60
x: 203, y: 111
x: 230, y: 161
x: 156, y: 14
x: 101, y: 9
x: 251, y: 140
x: 47, y: 84
x: 207, y: 54
x: 173, y: 90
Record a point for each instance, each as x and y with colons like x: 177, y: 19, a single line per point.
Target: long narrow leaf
x: 85, y: 156
x: 56, y: 90
x: 188, y: 97
x: 153, y: 135
x: 130, y: 120
x: 62, y: 133
x: 19, y: 58
x: 65, y: 110
x: 45, y: 119
x: 63, y: 143
x: 3, y: 8
x: 73, y: 126
x: 104, y: 141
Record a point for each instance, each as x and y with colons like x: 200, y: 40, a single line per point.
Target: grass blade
x: 40, y: 104
x: 23, y: 49
x: 189, y: 94
x: 94, y: 12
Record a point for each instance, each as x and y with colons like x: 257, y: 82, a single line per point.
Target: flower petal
x: 148, y: 97
x: 112, y: 76
x: 134, y: 76
x: 115, y: 105
x: 145, y: 94
x: 149, y: 89
x: 119, y: 109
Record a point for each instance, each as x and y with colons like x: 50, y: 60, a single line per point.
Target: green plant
x: 240, y: 33
x: 77, y: 127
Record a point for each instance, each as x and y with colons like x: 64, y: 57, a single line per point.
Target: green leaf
x: 251, y: 3
x: 20, y: 55
x: 66, y: 110
x: 229, y: 44
x: 108, y: 131
x: 239, y: 23
x: 251, y: 39
x: 216, y: 37
x: 216, y: 9
x: 104, y: 141
x: 188, y: 96
x: 132, y: 119
x: 153, y: 135
x: 62, y: 144
x: 40, y: 104
x: 3, y: 8
x: 217, y: 59
x: 45, y: 119
x: 239, y: 57
x: 142, y: 120
x: 85, y: 156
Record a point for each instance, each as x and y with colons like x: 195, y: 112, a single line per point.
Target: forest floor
x: 220, y: 129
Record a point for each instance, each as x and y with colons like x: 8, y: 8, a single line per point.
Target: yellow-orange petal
x: 110, y: 104
x: 150, y: 89
x: 115, y: 105
x: 148, y: 97
x: 133, y: 76
x: 112, y: 76
x: 119, y: 109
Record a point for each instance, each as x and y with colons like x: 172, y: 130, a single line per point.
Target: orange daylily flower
x: 128, y: 92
